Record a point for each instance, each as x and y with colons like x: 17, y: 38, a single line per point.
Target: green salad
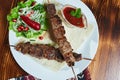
x: 28, y: 19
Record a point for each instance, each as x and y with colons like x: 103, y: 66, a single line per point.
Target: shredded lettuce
x: 39, y: 16
x: 28, y: 3
x: 13, y: 14
x: 21, y: 4
x: 39, y: 7
x: 9, y: 18
x: 11, y: 24
x: 25, y: 4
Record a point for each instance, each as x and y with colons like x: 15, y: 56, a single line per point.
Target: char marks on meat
x: 51, y: 10
x: 58, y: 32
x: 43, y: 51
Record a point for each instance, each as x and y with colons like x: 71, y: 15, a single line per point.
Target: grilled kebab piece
x: 43, y: 51
x: 58, y: 33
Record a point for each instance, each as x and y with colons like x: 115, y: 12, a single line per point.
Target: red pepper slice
x: 31, y: 23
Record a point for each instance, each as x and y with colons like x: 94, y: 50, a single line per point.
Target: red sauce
x: 73, y: 20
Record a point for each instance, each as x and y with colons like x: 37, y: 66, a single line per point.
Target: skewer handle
x: 48, y: 1
x: 12, y: 45
x: 88, y: 59
x: 75, y: 76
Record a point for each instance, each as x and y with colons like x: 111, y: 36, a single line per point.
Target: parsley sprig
x: 76, y: 13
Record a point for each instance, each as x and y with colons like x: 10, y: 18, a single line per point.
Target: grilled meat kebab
x: 58, y: 33
x: 43, y: 51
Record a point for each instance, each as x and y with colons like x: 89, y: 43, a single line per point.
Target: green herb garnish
x: 76, y: 13
x: 39, y: 7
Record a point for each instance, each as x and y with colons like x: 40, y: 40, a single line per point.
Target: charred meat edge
x: 58, y: 33
x: 43, y: 51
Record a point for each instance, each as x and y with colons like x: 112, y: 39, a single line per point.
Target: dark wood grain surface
x: 107, y: 64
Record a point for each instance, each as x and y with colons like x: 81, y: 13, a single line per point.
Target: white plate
x: 88, y: 49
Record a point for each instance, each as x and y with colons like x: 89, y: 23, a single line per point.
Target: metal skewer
x: 82, y: 58
x: 75, y: 76
x: 48, y: 1
x: 12, y: 45
x: 88, y: 59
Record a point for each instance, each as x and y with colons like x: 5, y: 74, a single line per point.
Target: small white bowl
x: 68, y: 23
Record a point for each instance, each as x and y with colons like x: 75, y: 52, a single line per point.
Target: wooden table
x: 107, y: 64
